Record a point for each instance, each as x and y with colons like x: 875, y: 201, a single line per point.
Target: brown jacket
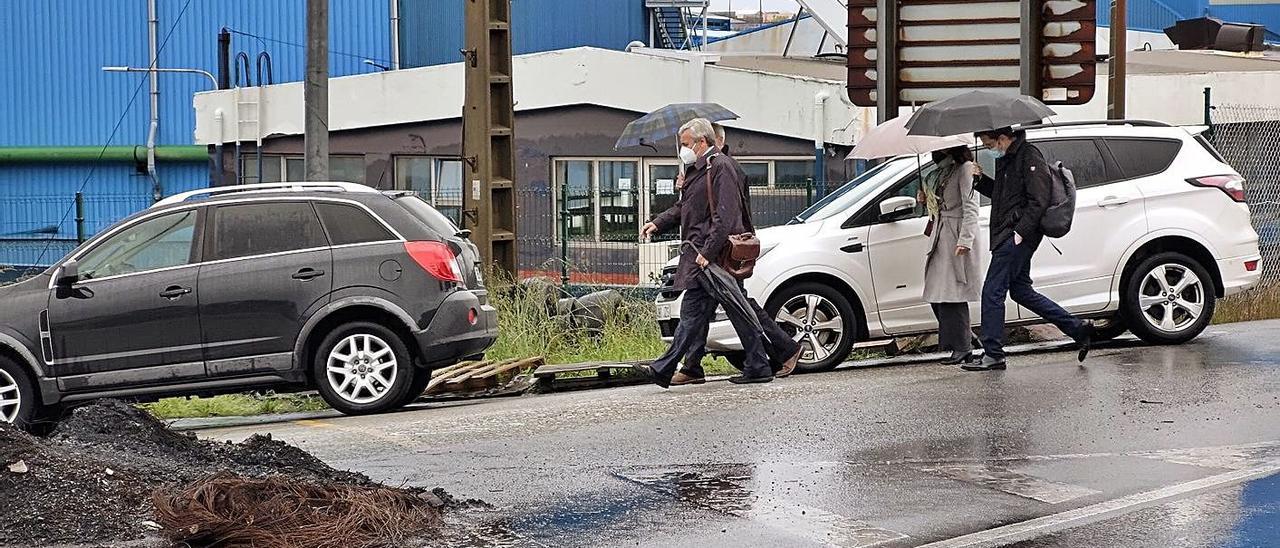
x: 707, y: 232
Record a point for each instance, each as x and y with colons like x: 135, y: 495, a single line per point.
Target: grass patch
x: 1261, y: 303
x: 233, y: 405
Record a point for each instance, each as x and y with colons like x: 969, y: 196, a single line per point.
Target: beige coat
x: 948, y: 278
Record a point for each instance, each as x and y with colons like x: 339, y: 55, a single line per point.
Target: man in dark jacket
x: 1020, y: 196
x: 707, y: 233
x: 783, y: 351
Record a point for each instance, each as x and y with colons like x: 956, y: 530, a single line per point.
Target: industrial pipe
x: 134, y: 153
x: 820, y: 141
x: 153, y: 29
x: 216, y: 180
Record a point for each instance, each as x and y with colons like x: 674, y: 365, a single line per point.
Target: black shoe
x: 958, y: 358
x: 647, y: 372
x: 1086, y: 340
x: 743, y: 379
x: 987, y: 364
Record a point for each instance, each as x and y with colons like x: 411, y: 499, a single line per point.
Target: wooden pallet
x: 472, y: 377
x: 555, y: 378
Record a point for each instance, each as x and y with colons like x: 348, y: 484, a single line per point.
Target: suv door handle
x: 1110, y: 201
x: 307, y: 274
x: 852, y: 248
x: 174, y: 291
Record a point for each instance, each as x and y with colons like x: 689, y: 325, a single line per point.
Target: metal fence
x: 1248, y: 137
x: 602, y: 246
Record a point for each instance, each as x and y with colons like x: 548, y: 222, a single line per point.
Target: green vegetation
x: 233, y: 405
x: 1262, y: 303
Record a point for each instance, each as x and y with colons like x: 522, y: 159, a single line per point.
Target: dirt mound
x: 94, y: 478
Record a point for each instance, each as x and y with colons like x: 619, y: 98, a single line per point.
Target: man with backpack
x: 1024, y: 203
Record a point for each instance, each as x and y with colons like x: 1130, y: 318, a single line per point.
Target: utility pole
x: 315, y: 95
x: 488, y: 141
x: 887, y: 99
x: 1029, y: 71
x: 1119, y: 56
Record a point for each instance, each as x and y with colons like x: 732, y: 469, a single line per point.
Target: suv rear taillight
x: 436, y: 258
x: 1233, y: 185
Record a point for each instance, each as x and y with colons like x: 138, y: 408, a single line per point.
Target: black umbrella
x: 976, y: 111
x: 724, y: 287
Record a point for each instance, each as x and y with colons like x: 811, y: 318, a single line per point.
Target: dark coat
x: 709, y: 233
x: 1019, y: 194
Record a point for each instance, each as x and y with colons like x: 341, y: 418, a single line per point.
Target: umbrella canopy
x: 666, y: 121
x: 891, y: 139
x: 976, y: 111
x: 724, y: 288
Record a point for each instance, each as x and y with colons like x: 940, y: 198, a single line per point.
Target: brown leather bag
x: 743, y: 250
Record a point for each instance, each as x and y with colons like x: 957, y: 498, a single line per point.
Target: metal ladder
x: 249, y: 125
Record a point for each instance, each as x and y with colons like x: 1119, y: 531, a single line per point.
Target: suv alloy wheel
x: 1169, y: 299
x: 820, y: 319
x: 363, y: 368
x: 17, y: 397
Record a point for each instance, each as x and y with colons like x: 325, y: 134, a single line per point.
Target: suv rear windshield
x: 423, y: 211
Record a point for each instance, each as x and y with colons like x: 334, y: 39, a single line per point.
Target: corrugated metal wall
x: 431, y: 30
x: 1156, y: 15
x: 55, y: 94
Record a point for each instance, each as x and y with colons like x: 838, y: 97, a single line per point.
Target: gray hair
x: 700, y: 128
x: 719, y: 134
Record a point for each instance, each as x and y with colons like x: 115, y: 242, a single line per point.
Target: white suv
x: 1161, y: 231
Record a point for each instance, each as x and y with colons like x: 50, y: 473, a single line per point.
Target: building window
x: 347, y: 169
x: 276, y: 168
x: 573, y: 180
x: 619, y: 211
x: 793, y: 173
x: 270, y: 169
x: 436, y: 180
x: 757, y: 173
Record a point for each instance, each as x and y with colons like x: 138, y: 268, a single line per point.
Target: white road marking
x: 1030, y: 529
x: 1015, y: 483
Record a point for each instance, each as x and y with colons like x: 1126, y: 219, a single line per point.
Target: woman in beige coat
x: 953, y: 275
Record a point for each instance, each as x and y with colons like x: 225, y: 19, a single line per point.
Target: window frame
x: 1111, y: 169
x: 439, y: 200
x: 640, y: 186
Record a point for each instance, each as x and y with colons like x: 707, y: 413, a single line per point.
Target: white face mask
x: 687, y: 156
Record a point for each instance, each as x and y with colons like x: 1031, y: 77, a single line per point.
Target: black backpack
x: 1056, y: 222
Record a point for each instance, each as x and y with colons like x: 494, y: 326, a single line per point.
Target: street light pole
x: 315, y: 95
x: 1119, y: 57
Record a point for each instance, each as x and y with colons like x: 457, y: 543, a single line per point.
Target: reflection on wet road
x: 1140, y: 447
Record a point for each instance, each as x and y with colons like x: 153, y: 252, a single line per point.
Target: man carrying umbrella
x: 707, y: 216
x: 1020, y: 195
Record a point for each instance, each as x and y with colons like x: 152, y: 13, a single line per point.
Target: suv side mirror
x: 897, y: 208
x: 68, y: 275
x: 464, y: 234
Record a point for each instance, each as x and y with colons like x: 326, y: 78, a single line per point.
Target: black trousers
x: 697, y: 310
x: 779, y: 345
x: 1010, y: 275
x: 954, y: 333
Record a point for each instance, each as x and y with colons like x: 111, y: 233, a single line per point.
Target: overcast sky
x: 753, y: 5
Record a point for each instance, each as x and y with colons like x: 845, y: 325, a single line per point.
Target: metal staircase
x: 670, y: 22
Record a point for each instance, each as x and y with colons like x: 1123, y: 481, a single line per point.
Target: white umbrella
x: 891, y: 139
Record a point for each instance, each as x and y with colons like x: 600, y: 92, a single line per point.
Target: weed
x: 1260, y: 303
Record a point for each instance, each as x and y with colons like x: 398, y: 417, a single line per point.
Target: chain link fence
x: 1248, y: 137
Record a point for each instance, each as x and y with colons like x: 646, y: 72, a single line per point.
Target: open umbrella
x: 891, y: 139
x: 976, y: 111
x: 666, y: 121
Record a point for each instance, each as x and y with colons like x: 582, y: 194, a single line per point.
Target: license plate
x: 664, y: 312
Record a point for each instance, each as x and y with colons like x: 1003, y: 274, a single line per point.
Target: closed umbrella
x: 976, y: 111
x: 724, y: 287
x: 891, y: 139
x: 666, y: 121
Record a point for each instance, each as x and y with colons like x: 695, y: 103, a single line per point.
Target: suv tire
x: 1154, y: 308
x: 1106, y: 329
x: 17, y: 395
x: 829, y: 304
x: 362, y: 368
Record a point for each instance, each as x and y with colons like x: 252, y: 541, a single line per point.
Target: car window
x: 350, y: 225
x: 846, y: 196
x: 1143, y: 157
x: 1081, y: 156
x: 429, y: 216
x: 908, y: 187
x: 243, y: 230
x: 155, y: 243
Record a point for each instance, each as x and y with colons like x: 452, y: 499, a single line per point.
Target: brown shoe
x: 680, y: 379
x: 790, y: 367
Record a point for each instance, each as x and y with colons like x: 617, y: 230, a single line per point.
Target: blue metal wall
x: 1156, y: 15
x: 55, y: 94
x: 431, y: 30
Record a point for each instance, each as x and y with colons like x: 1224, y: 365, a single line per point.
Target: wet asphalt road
x: 1143, y: 446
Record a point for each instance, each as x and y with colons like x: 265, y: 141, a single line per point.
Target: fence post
x: 564, y: 232
x: 808, y: 193
x: 1208, y: 111
x: 80, y: 235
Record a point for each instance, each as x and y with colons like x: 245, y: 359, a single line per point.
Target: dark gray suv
x: 355, y: 292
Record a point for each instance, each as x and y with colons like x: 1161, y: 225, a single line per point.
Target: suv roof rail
x: 296, y: 186
x: 1079, y: 123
